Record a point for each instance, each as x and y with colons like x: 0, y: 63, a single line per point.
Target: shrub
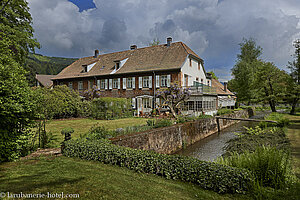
x: 252, y: 138
x: 68, y: 130
x: 204, y: 116
x: 282, y: 121
x: 271, y: 167
x: 224, y: 111
x: 97, y: 132
x: 111, y: 108
x: 157, y: 123
x: 222, y: 179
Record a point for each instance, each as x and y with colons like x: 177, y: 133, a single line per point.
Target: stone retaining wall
x: 173, y: 138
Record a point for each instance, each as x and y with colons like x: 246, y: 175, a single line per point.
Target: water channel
x: 213, y: 146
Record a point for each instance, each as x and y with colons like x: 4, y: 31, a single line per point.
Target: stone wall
x: 170, y: 139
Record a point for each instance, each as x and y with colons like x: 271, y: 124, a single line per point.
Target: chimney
x: 169, y: 41
x: 225, y: 86
x: 133, y: 47
x: 96, y: 53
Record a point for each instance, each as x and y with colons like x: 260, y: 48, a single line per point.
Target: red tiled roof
x: 220, y: 88
x: 145, y: 59
x: 44, y: 80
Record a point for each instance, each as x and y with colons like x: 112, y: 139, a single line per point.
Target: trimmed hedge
x: 220, y: 178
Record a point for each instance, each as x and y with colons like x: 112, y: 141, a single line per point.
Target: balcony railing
x: 201, y: 89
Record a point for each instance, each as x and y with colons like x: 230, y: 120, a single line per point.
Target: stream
x: 211, y: 147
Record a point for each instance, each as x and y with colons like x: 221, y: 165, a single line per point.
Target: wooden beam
x: 242, y: 119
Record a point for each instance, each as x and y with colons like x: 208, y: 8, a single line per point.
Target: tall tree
x: 244, y: 69
x: 269, y: 84
x: 16, y: 106
x: 294, y: 86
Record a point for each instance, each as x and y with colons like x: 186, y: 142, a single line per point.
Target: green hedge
x: 111, y: 108
x: 220, y: 178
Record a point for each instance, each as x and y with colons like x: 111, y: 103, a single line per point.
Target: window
x: 164, y: 81
x: 198, y: 105
x: 146, y: 82
x: 190, y: 62
x: 102, y: 84
x: 80, y: 85
x: 208, y: 83
x: 197, y: 79
x: 117, y: 65
x: 199, y: 65
x: 84, y: 68
x: 202, y: 80
x: 146, y: 103
x: 70, y: 84
x: 129, y: 82
x: 115, y: 83
x: 191, y: 105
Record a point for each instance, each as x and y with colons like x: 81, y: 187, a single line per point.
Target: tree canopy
x: 16, y: 106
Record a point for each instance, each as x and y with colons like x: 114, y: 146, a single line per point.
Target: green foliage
x: 38, y: 64
x: 111, y: 108
x: 204, y: 116
x: 281, y: 120
x: 269, y: 84
x: 213, y: 75
x: 224, y: 111
x: 208, y: 175
x: 271, y: 167
x: 158, y: 123
x: 294, y: 82
x: 99, y: 132
x: 244, y: 69
x: 67, y: 130
x: 257, y: 137
x: 16, y: 109
x: 59, y: 102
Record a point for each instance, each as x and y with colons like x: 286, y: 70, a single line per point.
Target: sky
x: 212, y: 28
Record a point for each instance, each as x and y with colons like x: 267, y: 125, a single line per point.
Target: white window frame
x: 164, y: 81
x: 102, y: 84
x: 130, y: 82
x: 146, y: 103
x: 115, y: 83
x: 80, y: 85
x: 146, y: 81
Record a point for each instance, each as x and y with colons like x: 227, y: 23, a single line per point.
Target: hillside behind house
x: 36, y: 63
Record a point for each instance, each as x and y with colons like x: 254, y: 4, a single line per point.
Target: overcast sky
x: 212, y: 28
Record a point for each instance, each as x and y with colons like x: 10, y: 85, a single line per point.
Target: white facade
x: 193, y: 70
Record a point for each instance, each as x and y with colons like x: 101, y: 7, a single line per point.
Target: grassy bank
x: 293, y: 134
x: 82, y: 126
x: 94, y: 180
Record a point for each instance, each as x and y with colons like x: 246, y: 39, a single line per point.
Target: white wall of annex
x: 193, y: 72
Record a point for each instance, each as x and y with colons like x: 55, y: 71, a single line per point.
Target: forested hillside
x: 36, y: 63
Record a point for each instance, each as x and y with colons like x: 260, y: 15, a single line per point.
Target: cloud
x: 212, y: 28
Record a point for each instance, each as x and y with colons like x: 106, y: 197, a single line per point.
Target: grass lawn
x: 82, y: 126
x: 94, y: 180
x: 294, y: 136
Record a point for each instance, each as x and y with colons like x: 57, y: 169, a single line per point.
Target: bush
x: 224, y: 111
x: 111, y: 108
x: 282, y: 121
x: 97, y: 132
x: 271, y: 167
x: 59, y: 102
x: 252, y: 138
x: 208, y: 175
x: 157, y: 123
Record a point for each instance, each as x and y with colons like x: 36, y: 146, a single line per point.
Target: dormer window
x: 117, y: 65
x: 84, y: 68
x: 87, y: 68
